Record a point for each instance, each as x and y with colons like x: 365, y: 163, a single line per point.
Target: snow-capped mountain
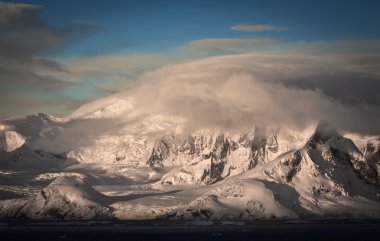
x: 111, y: 160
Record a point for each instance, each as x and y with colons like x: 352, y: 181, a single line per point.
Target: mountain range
x: 107, y: 160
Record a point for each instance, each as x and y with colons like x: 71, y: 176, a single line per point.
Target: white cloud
x: 238, y: 91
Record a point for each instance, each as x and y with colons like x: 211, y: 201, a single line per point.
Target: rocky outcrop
x: 162, y: 150
x: 222, y: 148
x: 258, y: 147
x: 213, y: 154
x: 343, y: 150
x: 323, y: 133
x: 372, y: 164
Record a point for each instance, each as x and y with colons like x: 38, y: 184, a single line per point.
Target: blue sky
x: 149, y: 34
x: 133, y: 26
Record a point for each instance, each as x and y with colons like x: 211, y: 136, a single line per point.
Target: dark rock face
x: 221, y: 150
x: 272, y: 143
x: 215, y: 150
x: 362, y: 164
x: 258, y: 147
x: 372, y: 152
x: 222, y: 147
x: 189, y: 146
x: 372, y: 157
x: 32, y: 125
x: 343, y: 150
x: 293, y: 166
x: 161, y: 151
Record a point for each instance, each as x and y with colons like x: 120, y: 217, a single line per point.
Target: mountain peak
x: 323, y: 133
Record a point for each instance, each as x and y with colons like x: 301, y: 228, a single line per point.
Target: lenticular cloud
x: 236, y: 91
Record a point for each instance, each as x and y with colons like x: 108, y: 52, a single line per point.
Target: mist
x: 237, y: 91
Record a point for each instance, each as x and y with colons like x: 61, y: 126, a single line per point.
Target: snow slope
x: 110, y: 160
x: 64, y: 198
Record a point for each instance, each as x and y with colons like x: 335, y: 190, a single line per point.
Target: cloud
x: 369, y: 46
x: 230, y: 44
x: 234, y: 93
x: 83, y: 68
x: 237, y: 91
x: 25, y: 38
x: 109, y: 73
x: 257, y: 28
x: 11, y: 11
x: 54, y: 106
x: 279, y: 88
x: 118, y: 71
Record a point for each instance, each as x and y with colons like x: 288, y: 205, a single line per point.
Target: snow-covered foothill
x: 237, y: 199
x: 65, y: 198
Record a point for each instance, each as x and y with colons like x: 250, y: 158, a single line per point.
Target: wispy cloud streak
x: 257, y: 28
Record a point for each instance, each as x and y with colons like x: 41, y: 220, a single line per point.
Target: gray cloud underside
x: 24, y: 37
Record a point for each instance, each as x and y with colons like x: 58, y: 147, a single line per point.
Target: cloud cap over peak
x: 234, y: 92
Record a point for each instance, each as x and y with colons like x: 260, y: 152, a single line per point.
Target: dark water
x: 182, y: 231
